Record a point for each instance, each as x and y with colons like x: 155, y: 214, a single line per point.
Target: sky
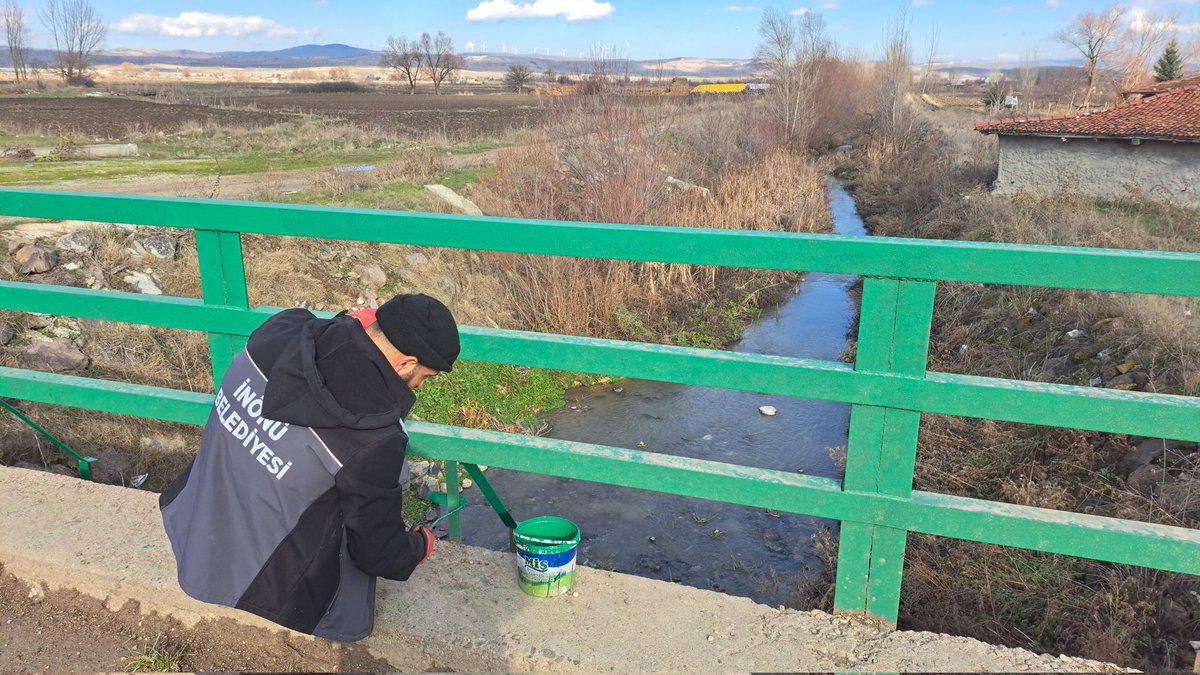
x: 969, y: 31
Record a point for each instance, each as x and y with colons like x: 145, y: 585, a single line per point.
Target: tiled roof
x: 1160, y: 87
x: 1173, y: 115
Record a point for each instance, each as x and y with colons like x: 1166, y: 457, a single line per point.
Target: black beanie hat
x: 420, y: 326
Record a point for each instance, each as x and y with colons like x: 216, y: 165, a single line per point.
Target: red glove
x: 429, y: 540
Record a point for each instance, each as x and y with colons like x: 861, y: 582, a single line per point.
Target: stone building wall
x: 1103, y: 169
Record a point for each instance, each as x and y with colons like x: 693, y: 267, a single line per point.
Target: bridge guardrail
x: 888, y: 385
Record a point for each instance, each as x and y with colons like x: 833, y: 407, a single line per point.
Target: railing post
x: 881, y: 453
x: 223, y: 282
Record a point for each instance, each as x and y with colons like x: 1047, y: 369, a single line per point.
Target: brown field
x: 456, y: 116
x: 110, y: 118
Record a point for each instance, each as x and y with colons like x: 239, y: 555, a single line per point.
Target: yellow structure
x: 736, y: 88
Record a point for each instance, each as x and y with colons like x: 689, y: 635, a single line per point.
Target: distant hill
x: 324, y: 56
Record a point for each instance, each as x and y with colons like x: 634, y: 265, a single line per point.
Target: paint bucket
x: 546, y: 555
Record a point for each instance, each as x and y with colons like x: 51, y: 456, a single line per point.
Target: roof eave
x: 1047, y: 134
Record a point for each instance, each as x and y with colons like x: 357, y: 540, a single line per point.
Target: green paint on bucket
x: 546, y: 555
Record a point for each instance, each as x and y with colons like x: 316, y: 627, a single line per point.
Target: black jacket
x: 292, y: 506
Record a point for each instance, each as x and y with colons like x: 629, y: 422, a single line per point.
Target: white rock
x: 370, y: 275
x: 768, y: 410
x: 71, y: 266
x: 1074, y: 333
x: 143, y: 283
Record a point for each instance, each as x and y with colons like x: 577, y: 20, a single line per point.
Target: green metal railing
x: 888, y: 385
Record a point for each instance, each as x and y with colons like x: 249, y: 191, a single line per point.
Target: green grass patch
x: 125, y: 167
x: 509, y: 394
x: 414, y: 508
x: 459, y: 180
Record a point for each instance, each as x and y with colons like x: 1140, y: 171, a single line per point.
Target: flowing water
x: 738, y: 550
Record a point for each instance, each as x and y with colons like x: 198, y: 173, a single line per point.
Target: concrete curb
x: 463, y: 611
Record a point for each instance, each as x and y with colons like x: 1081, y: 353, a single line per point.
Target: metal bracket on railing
x: 489, y: 493
x: 84, y: 463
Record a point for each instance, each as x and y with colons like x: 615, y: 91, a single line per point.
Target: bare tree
x: 792, y: 51
x: 931, y: 48
x: 1028, y: 70
x: 893, y: 116
x: 77, y: 31
x: 1093, y: 35
x: 404, y: 59
x: 17, y: 32
x: 440, y: 60
x: 1141, y: 41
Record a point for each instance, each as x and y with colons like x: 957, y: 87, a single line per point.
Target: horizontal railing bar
x: 1120, y: 541
x: 1113, y: 540
x: 1129, y: 271
x: 1058, y: 405
x: 163, y: 311
x: 135, y: 400
x: 1067, y: 406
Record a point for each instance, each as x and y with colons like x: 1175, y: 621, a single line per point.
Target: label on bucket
x: 546, y: 575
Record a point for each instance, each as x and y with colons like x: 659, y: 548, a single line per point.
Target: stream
x: 766, y: 556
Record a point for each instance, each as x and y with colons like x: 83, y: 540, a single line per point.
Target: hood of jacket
x: 298, y: 390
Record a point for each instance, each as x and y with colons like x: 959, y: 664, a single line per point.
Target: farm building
x: 1144, y: 148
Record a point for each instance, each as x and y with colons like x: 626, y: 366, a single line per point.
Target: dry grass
x: 610, y: 165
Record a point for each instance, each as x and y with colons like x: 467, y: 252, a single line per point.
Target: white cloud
x: 801, y: 11
x: 1007, y: 56
x: 203, y: 24
x: 1054, y: 3
x: 571, y: 10
x: 831, y: 4
x: 741, y: 8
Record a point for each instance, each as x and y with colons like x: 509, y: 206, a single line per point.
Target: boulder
x: 58, y: 354
x: 82, y: 243
x: 419, y: 468
x: 1129, y: 381
x: 417, y: 259
x: 34, y: 259
x: 160, y: 246
x: 370, y: 275
x: 37, y: 321
x: 1146, y: 480
x: 59, y: 277
x: 1143, y: 454
x: 1052, y: 369
x: 6, y: 335
x: 143, y: 283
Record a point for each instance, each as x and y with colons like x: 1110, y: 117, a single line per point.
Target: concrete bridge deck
x: 463, y: 611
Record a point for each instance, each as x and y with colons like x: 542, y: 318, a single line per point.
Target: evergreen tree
x: 1170, y: 64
